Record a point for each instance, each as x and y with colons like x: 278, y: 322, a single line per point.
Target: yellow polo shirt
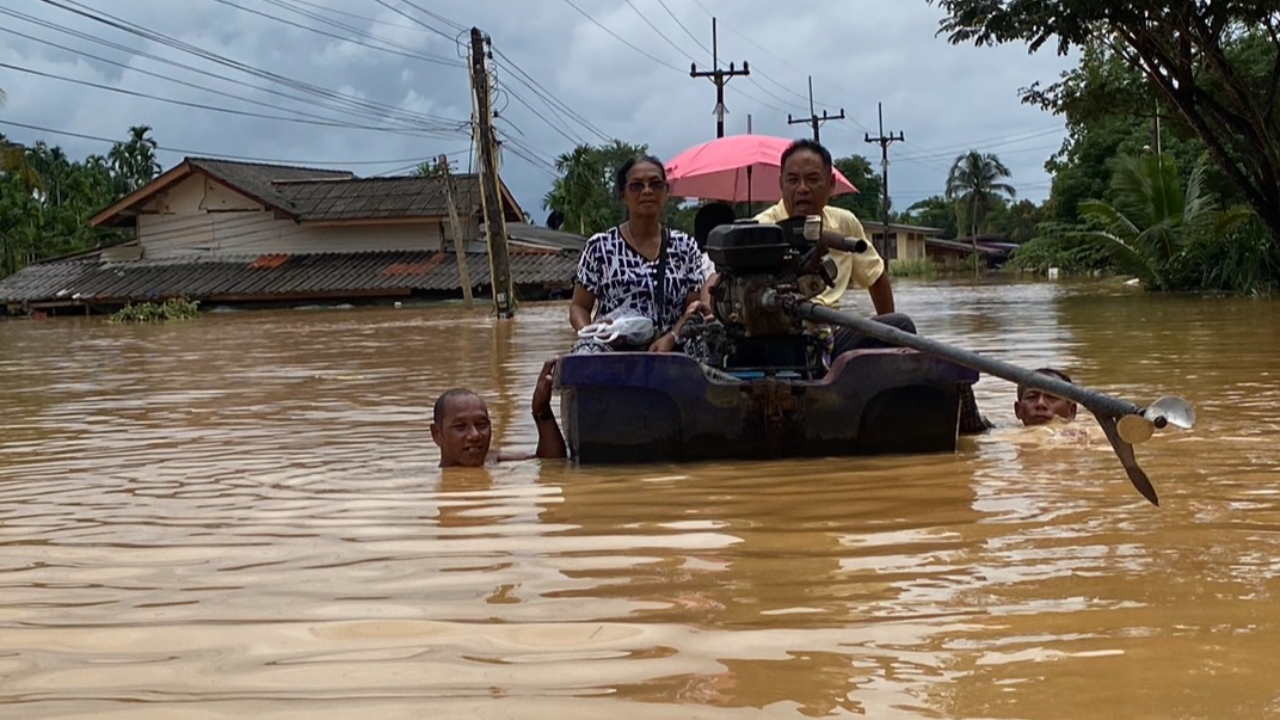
x: 862, y: 268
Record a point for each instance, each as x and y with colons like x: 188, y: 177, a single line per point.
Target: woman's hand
x: 664, y: 344
x: 699, y: 307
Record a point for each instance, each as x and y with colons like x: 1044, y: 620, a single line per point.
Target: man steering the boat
x: 807, y: 180
x: 461, y: 428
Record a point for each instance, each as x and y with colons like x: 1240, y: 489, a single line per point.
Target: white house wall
x: 260, y: 232
x: 199, y: 216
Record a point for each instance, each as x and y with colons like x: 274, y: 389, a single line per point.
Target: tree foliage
x: 934, y: 212
x: 868, y: 202
x: 974, y: 183
x: 584, y: 192
x: 1215, y: 62
x: 47, y: 199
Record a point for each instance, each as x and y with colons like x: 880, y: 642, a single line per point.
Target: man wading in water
x: 461, y: 428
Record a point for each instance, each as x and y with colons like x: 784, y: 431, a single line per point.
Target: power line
x: 233, y: 96
x: 719, y: 78
x: 411, y: 55
x: 547, y: 96
x: 884, y: 141
x: 413, y: 19
x: 686, y: 30
x: 660, y: 33
x: 352, y: 111
x: 947, y: 152
x: 435, y: 16
x: 813, y: 120
x: 214, y: 155
x: 111, y: 21
x: 202, y: 106
x: 616, y: 36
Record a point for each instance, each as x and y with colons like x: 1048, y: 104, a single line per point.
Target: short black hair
x: 1046, y: 371
x: 442, y: 403
x: 812, y: 146
x: 620, y: 177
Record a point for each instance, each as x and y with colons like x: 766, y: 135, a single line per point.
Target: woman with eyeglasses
x: 638, y: 269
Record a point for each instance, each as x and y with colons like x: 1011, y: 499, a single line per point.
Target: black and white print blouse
x: 620, y: 277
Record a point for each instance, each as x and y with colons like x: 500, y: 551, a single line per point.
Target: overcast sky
x: 944, y: 99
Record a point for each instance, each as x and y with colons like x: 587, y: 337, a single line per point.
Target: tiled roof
x: 315, y: 194
x: 369, y: 198
x: 260, y: 180
x: 229, y: 277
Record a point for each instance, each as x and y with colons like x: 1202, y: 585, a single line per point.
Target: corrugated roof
x: 211, y: 278
x: 369, y: 198
x: 545, y: 236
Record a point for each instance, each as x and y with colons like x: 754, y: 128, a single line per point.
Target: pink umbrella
x: 737, y: 168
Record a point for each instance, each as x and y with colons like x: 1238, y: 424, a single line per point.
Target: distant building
x: 230, y: 232
x: 906, y: 242
x: 915, y: 242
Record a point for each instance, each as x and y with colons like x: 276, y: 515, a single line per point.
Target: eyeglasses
x: 655, y: 186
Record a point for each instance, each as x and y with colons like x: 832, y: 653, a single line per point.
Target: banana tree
x: 1154, y: 218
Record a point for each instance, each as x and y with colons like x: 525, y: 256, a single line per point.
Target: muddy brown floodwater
x: 239, y: 516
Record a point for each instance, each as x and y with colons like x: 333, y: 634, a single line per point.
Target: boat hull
x: 629, y: 408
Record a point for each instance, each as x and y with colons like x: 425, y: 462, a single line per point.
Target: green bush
x: 916, y: 267
x: 171, y: 309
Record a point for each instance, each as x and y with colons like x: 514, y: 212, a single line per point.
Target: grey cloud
x: 945, y: 99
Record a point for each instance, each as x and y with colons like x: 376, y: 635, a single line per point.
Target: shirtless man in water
x: 460, y: 426
x: 1037, y: 407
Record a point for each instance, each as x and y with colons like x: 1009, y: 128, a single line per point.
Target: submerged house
x: 232, y: 232
x: 914, y: 242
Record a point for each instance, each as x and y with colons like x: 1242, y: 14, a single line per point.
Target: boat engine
x: 751, y: 259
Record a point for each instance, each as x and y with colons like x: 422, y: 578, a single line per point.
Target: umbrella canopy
x: 737, y: 168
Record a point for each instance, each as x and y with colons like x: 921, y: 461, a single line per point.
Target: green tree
x: 867, y: 202
x: 935, y: 212
x: 974, y: 183
x: 1216, y: 63
x: 1016, y: 221
x: 134, y: 161
x: 584, y: 191
x: 430, y: 169
x: 1154, y: 222
x: 51, y: 218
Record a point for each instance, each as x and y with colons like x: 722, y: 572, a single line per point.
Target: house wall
x: 199, y: 216
x: 910, y: 245
x: 949, y: 257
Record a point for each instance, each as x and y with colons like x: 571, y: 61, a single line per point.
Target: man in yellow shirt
x: 807, y: 181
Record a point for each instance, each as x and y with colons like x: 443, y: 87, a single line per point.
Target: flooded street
x: 240, y: 516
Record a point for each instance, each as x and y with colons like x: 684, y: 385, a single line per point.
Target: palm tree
x: 1154, y: 218
x: 134, y: 161
x: 974, y: 181
x: 579, y: 192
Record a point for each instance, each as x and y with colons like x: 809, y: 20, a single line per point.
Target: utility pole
x: 884, y: 141
x: 719, y: 77
x: 459, y: 238
x: 813, y: 118
x: 490, y: 192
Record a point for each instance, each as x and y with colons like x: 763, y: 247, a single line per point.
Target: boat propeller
x: 1124, y: 423
x: 1138, y: 428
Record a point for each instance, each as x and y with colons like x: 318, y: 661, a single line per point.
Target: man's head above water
x: 807, y: 178
x: 1037, y: 407
x: 460, y: 427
